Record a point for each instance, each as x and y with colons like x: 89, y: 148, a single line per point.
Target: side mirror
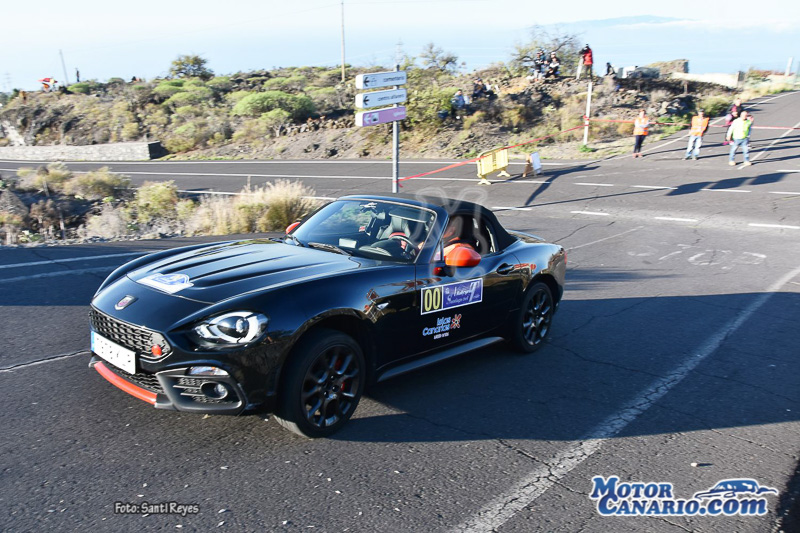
x: 462, y: 256
x: 291, y: 227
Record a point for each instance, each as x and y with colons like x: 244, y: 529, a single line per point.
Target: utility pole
x: 63, y: 66
x: 342, y: 41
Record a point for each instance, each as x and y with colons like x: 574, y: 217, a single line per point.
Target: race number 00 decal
x: 431, y: 300
x: 451, y: 295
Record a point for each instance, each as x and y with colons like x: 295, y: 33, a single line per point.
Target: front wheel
x: 321, y: 384
x: 532, y: 322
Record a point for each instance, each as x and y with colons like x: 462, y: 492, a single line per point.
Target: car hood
x: 222, y: 271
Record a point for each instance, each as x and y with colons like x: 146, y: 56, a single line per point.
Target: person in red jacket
x: 586, y: 61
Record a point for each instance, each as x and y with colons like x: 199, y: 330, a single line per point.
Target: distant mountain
x: 619, y: 21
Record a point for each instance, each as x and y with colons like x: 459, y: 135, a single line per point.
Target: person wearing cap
x: 586, y: 61
x: 739, y: 135
x: 699, y: 127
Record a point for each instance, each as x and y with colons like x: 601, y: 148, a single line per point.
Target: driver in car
x: 456, y: 234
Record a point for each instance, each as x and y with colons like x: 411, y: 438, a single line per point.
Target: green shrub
x: 715, y: 106
x: 220, y: 83
x: 156, y: 200
x: 79, y: 88
x: 275, y: 84
x: 187, y: 137
x: 325, y: 99
x: 97, y: 184
x: 166, y: 90
x: 189, y: 98
x: 46, y: 179
x: 255, y: 104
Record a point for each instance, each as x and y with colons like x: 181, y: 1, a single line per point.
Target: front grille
x: 135, y: 338
x: 145, y: 381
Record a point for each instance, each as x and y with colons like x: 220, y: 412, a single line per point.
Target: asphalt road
x: 673, y: 360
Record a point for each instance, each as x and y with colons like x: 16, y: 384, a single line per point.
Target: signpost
x: 381, y: 116
x: 393, y: 97
x: 381, y: 79
x: 379, y: 98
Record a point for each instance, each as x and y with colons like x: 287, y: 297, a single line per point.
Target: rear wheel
x: 532, y: 323
x: 321, y: 384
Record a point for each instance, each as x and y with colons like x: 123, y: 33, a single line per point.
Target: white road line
x: 72, y: 259
x: 604, y: 239
x: 780, y: 226
x: 725, y: 190
x: 776, y: 97
x: 271, y: 162
x: 12, y: 368
x: 593, y: 213
x: 500, y: 510
x: 596, y: 184
x: 789, y: 170
x: 765, y: 150
x: 677, y: 219
x: 503, y: 208
x: 654, y: 187
x: 783, y: 192
x: 59, y: 273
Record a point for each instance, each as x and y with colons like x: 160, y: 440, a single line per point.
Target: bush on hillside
x: 156, y: 200
x: 97, y: 184
x: 252, y: 105
x: 79, y: 88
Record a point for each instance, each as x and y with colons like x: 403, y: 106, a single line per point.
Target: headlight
x: 231, y: 329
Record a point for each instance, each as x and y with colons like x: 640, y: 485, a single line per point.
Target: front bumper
x: 175, y: 390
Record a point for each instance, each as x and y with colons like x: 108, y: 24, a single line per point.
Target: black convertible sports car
x: 364, y: 289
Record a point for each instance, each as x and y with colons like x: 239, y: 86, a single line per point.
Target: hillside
x: 308, y: 112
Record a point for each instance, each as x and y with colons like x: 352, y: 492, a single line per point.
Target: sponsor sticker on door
x: 451, y: 295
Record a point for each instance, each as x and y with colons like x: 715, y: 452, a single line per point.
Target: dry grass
x: 268, y: 208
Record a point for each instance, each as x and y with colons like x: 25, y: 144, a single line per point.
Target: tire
x: 321, y: 384
x: 532, y: 323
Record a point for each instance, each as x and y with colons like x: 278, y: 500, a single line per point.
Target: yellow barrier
x: 492, y: 161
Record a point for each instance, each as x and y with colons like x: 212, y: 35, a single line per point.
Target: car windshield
x: 367, y: 228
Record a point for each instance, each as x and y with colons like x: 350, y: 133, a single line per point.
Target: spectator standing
x: 699, y: 127
x: 733, y: 114
x: 640, y: 126
x: 77, y: 75
x: 739, y: 135
x: 539, y: 64
x: 586, y: 61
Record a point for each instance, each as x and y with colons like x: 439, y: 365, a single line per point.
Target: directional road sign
x: 379, y: 98
x: 380, y: 116
x: 380, y: 79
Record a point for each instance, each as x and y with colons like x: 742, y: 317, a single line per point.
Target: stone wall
x: 138, y: 151
x: 727, y: 80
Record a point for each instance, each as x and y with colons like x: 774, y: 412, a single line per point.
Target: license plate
x: 115, y: 354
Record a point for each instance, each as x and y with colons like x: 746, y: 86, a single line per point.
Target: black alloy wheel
x: 322, y: 384
x: 534, y: 318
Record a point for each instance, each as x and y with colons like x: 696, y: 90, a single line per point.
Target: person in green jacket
x: 739, y: 133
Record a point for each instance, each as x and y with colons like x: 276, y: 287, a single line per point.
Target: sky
x: 115, y: 39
